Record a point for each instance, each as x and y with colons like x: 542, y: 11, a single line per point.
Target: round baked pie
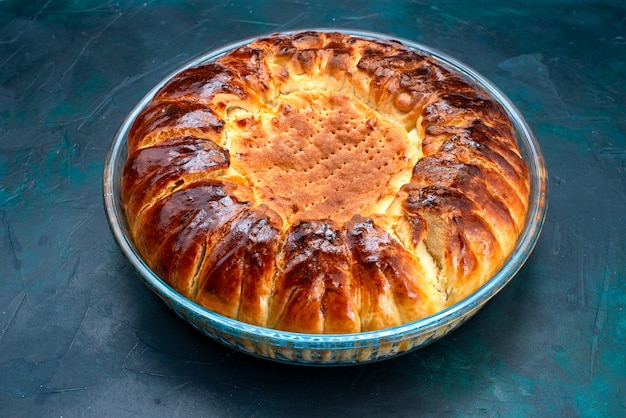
x: 324, y: 183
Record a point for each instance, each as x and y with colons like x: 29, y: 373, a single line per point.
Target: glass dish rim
x: 293, y: 340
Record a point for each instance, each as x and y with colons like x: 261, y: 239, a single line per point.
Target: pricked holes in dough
x: 322, y: 148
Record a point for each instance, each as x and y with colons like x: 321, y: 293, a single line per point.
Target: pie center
x: 316, y: 155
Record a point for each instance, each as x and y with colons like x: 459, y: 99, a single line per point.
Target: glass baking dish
x: 332, y: 349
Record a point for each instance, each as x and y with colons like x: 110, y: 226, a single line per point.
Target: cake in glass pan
x: 324, y: 183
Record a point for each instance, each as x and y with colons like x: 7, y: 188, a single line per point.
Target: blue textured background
x: 79, y: 333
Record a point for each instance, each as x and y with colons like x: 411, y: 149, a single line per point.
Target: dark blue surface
x: 81, y: 335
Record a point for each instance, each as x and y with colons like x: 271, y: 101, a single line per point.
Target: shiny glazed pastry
x: 324, y: 183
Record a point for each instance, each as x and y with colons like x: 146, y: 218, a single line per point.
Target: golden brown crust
x: 324, y: 183
x: 314, y: 291
x: 389, y: 278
